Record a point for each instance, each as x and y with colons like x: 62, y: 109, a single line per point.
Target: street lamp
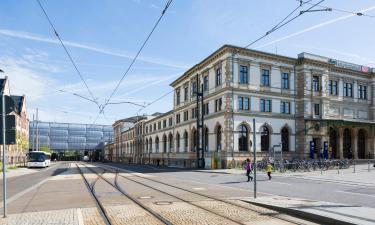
x: 4, y: 152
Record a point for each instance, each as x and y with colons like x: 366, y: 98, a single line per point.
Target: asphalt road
x: 296, y: 187
x: 18, y: 184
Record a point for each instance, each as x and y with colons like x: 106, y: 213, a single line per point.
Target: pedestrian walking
x: 248, y: 167
x: 269, y: 169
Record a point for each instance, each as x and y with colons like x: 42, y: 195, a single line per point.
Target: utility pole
x: 37, y: 131
x: 4, y: 155
x: 255, y: 159
x: 200, y: 126
x: 33, y: 132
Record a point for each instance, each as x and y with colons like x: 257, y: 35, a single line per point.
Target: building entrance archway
x: 333, y: 142
x: 347, y: 145
x: 361, y: 144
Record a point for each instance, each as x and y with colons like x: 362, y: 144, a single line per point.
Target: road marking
x: 80, y: 217
x: 199, y: 189
x: 18, y: 195
x: 348, y: 192
x: 276, y: 182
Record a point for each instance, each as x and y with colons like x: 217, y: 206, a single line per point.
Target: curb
x: 301, y: 214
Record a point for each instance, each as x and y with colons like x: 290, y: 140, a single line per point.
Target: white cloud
x: 34, y: 37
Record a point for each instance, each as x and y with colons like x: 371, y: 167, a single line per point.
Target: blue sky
x: 103, y: 36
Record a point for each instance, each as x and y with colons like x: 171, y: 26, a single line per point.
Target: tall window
x: 157, y: 144
x: 186, y: 115
x: 243, y: 103
x: 218, y: 103
x: 285, y: 107
x: 177, y: 142
x: 243, y: 139
x: 285, y: 80
x: 285, y: 139
x: 265, y: 105
x: 244, y: 77
x: 194, y: 88
x: 178, y: 97
x: 332, y: 86
x: 170, y: 121
x: 316, y: 109
x: 265, y: 139
x: 316, y: 85
x: 194, y: 140
x: 218, y: 139
x: 186, y: 140
x: 186, y: 93
x: 348, y: 89
x: 218, y: 77
x: 170, y: 142
x: 178, y: 119
x: 205, y: 139
x: 150, y: 143
x: 206, y: 109
x: 265, y: 77
x: 164, y: 143
x: 205, y: 83
x: 362, y: 92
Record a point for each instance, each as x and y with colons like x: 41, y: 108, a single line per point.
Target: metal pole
x: 33, y: 132
x: 368, y: 162
x: 354, y: 166
x: 4, y: 158
x: 255, y: 159
x: 37, y: 131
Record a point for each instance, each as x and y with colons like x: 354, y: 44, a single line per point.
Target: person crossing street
x: 269, y: 169
x: 248, y: 168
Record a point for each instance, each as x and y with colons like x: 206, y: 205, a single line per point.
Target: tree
x: 44, y: 148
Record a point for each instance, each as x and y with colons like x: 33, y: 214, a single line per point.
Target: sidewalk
x: 18, y: 172
x: 330, y: 212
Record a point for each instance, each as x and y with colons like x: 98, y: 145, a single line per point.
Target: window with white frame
x: 265, y: 105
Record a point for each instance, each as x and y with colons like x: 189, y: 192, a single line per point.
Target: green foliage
x: 22, y: 141
x: 44, y: 148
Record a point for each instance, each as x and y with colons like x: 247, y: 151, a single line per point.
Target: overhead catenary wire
x: 169, y: 2
x: 68, y: 53
x: 358, y: 13
x: 282, y: 23
x: 274, y: 28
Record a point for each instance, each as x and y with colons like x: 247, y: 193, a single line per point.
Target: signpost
x: 8, y: 136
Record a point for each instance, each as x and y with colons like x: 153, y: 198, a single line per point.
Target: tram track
x: 98, y: 203
x: 108, y: 219
x: 227, y: 203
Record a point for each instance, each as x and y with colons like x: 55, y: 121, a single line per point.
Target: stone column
x: 355, y: 143
x: 340, y: 143
x: 341, y: 89
x: 355, y: 91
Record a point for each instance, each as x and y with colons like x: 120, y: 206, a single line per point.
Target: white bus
x: 39, y: 159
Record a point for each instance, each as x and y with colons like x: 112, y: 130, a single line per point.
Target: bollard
x: 338, y: 168
x: 353, y: 166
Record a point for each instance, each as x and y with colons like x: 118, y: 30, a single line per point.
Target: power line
x: 282, y: 23
x: 67, y: 52
x: 345, y: 11
x: 136, y: 56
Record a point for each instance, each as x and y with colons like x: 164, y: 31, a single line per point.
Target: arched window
x: 186, y: 140
x: 218, y: 138
x: 194, y: 140
x: 285, y: 139
x: 265, y: 139
x: 206, y: 139
x: 164, y: 143
x: 243, y: 139
x: 170, y: 140
x: 177, y: 142
x: 157, y: 144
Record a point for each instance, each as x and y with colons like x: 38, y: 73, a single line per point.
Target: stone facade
x: 293, y: 100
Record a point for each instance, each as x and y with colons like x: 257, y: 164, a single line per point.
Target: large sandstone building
x: 300, y: 105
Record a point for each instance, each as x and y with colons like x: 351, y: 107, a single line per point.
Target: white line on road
x: 348, y: 192
x: 276, y: 182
